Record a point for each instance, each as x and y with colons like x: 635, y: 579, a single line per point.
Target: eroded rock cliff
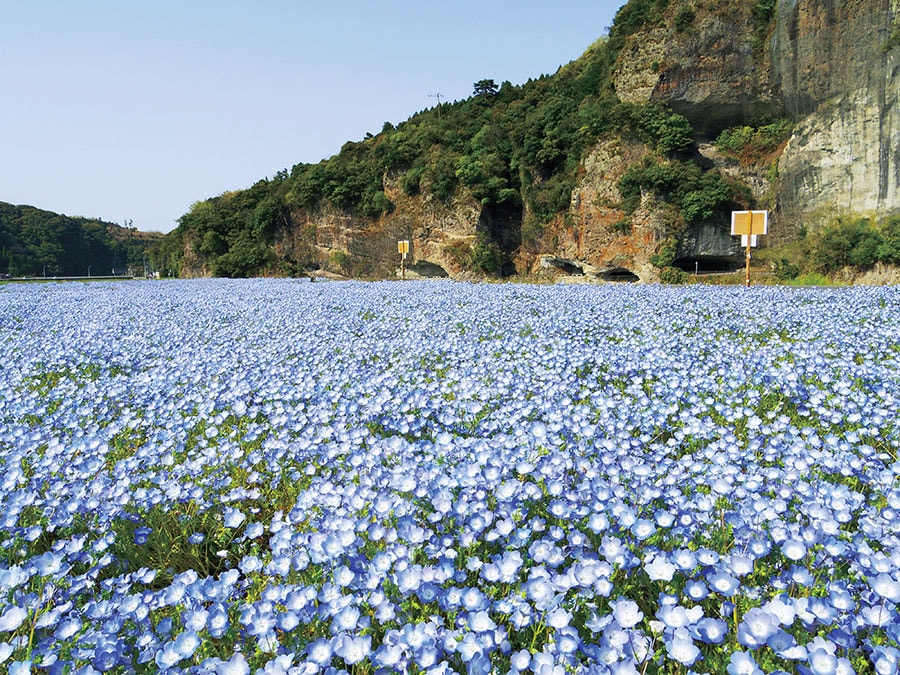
x: 829, y: 64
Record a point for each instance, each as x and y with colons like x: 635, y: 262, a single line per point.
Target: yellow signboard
x: 403, y: 246
x: 749, y: 222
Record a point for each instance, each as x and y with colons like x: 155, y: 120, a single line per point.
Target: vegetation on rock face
x: 752, y: 144
x: 763, y: 14
x: 34, y: 242
x: 697, y: 194
x: 856, y: 243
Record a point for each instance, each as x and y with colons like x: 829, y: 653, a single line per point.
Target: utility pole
x: 438, y: 97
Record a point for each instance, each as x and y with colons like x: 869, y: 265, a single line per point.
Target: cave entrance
x: 707, y: 264
x: 619, y: 275
x: 427, y: 269
x: 570, y: 268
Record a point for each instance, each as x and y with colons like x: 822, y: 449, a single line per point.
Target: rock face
x: 710, y: 73
x: 826, y: 63
x: 838, y: 77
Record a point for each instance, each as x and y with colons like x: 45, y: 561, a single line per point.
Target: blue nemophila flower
x: 785, y: 645
x: 233, y: 517
x: 319, y: 651
x: 141, y: 535
x: 352, y: 649
x: 756, y: 627
x: 346, y: 619
x: 710, y: 630
x: 681, y: 647
x: 822, y: 661
x: 195, y: 619
x: 783, y: 608
x: 676, y: 616
x: 520, y: 660
x: 236, y: 665
x: 722, y: 583
x: 886, y: 659
x: 626, y: 612
x: 742, y: 663
x: 878, y: 615
x: 659, y: 568
x: 886, y: 586
x: 684, y: 559
x: 558, y: 617
x: 20, y: 668
x: 12, y: 618
x: 218, y: 622
x: 567, y: 640
x: 793, y: 549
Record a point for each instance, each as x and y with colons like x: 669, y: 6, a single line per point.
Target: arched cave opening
x: 619, y: 275
x: 569, y: 267
x: 429, y: 270
x: 707, y: 264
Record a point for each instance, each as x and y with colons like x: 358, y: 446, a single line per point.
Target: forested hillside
x: 34, y: 242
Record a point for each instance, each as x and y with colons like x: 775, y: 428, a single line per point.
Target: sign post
x: 403, y: 249
x: 749, y: 225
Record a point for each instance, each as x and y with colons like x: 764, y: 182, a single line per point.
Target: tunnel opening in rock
x: 707, y: 264
x: 619, y: 275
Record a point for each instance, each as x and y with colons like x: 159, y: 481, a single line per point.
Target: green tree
x: 484, y: 88
x: 696, y: 193
x: 684, y: 18
x: 889, y: 250
x: 846, y: 242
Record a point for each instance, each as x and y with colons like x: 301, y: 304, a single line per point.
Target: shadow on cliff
x: 501, y: 224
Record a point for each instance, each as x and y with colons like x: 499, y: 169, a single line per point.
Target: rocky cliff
x: 827, y: 64
x: 832, y: 65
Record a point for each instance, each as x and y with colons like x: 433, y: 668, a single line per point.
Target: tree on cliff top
x: 484, y: 88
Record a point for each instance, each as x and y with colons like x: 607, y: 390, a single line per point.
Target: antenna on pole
x: 438, y: 97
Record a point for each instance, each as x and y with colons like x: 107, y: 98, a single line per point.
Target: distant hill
x: 34, y: 242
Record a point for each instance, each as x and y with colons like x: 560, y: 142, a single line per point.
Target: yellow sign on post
x: 749, y: 225
x: 403, y: 250
x: 749, y: 222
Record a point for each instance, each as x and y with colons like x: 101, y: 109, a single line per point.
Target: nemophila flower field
x: 284, y: 477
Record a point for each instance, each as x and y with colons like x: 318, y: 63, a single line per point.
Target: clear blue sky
x: 127, y: 110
